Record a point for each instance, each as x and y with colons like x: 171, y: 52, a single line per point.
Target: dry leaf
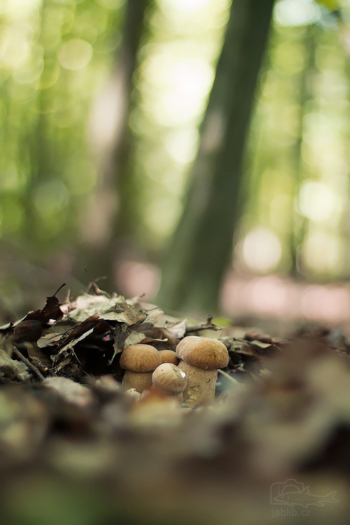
x: 12, y: 369
x: 70, y: 391
x: 114, y: 309
x: 34, y: 352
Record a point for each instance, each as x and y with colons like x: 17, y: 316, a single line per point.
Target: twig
x: 208, y: 325
x: 60, y: 288
x: 28, y: 363
x: 96, y: 289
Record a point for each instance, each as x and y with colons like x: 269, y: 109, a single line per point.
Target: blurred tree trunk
x: 201, y: 248
x: 135, y: 32
x: 113, y: 202
x: 298, y: 225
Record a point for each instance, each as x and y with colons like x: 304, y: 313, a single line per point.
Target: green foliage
x: 57, y: 56
x: 54, y: 56
x: 330, y: 4
x: 299, y: 154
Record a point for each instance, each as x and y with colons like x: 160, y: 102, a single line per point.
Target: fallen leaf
x: 114, y: 309
x: 34, y: 352
x: 12, y: 369
x: 70, y: 391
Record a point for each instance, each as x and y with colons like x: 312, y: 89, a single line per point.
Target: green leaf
x: 331, y: 5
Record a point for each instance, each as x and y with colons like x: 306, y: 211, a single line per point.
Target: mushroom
x: 133, y: 394
x: 169, y: 379
x: 201, y: 357
x: 139, y: 362
x: 169, y: 356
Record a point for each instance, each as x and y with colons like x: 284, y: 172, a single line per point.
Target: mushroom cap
x: 140, y: 358
x: 203, y: 352
x: 169, y: 356
x: 170, y: 378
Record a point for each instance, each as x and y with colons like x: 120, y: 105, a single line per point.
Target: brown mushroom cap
x: 169, y: 356
x: 203, y: 352
x: 140, y: 358
x: 170, y: 378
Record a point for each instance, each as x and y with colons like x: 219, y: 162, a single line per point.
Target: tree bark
x: 135, y: 29
x: 298, y: 223
x: 201, y: 248
x: 114, y: 200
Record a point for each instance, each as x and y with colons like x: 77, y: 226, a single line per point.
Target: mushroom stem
x: 139, y: 380
x: 200, y: 389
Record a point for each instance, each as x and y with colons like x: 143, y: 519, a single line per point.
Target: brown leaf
x: 92, y: 322
x: 27, y: 330
x: 34, y: 352
x: 51, y: 311
x: 256, y: 335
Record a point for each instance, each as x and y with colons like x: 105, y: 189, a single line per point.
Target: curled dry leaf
x: 28, y: 330
x: 50, y: 312
x: 110, y: 309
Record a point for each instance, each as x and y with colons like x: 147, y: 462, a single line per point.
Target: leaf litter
x: 76, y: 448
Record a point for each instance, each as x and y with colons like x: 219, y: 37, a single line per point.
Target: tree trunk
x: 113, y: 202
x: 201, y: 248
x: 298, y: 226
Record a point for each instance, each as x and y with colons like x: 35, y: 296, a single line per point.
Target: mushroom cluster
x: 193, y: 380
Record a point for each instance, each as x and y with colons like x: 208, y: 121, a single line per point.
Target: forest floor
x: 77, y: 448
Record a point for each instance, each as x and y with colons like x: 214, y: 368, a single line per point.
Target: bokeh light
x: 261, y: 250
x: 296, y: 12
x: 75, y: 54
x: 318, y: 201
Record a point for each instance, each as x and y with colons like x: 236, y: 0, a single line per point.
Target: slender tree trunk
x: 113, y: 201
x: 305, y: 98
x: 136, y: 30
x: 201, y: 248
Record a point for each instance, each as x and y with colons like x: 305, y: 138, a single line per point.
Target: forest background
x: 114, y: 119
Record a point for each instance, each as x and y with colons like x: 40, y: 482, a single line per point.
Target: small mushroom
x: 168, y: 378
x: 139, y: 362
x: 133, y: 394
x: 201, y: 357
x: 169, y: 356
